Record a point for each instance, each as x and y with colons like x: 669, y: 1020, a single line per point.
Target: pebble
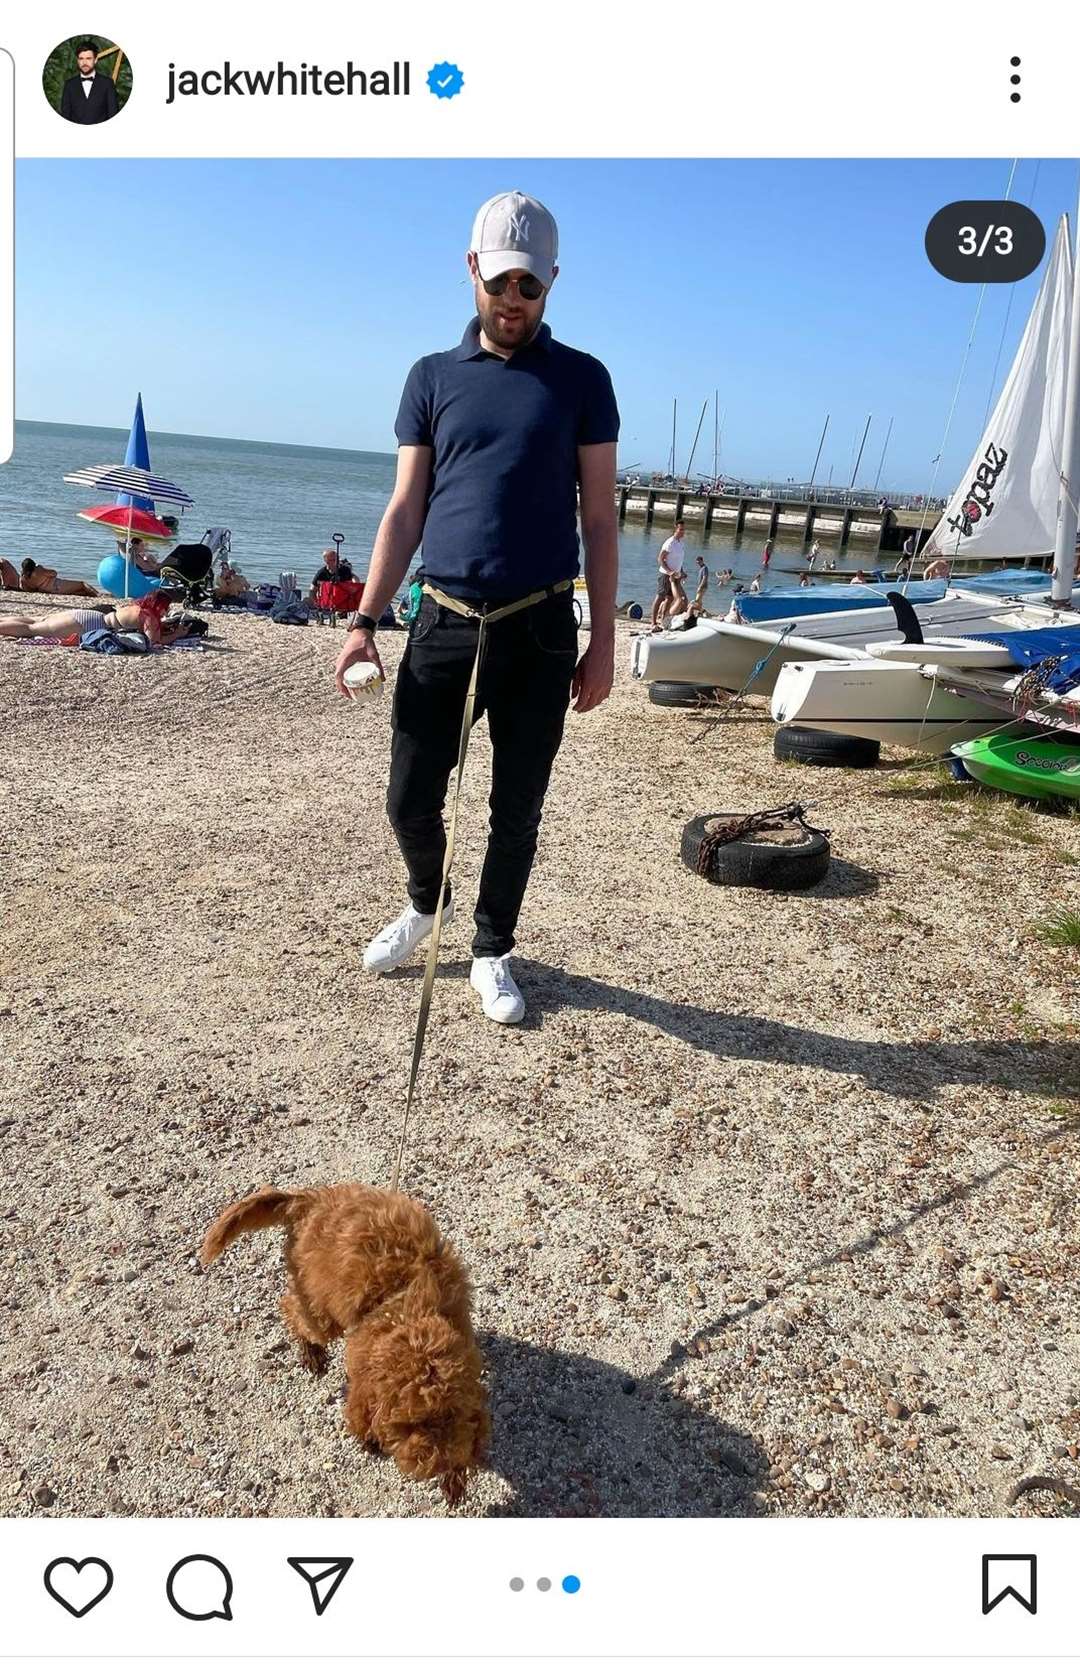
x: 44, y: 1496
x: 896, y: 1410
x: 781, y: 1325
x: 817, y: 1481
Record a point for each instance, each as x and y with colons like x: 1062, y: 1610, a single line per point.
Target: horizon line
x: 175, y: 433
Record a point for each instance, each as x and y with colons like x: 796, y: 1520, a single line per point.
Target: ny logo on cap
x: 519, y: 227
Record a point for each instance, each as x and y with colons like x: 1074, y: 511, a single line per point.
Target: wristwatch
x: 361, y: 621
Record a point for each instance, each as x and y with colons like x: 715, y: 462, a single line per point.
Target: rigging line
x: 952, y: 411
x: 1009, y: 307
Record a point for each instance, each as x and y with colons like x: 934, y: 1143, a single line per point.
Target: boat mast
x: 1065, y: 543
x: 674, y: 412
x: 697, y: 435
x: 817, y: 458
x: 858, y: 459
x: 884, y: 448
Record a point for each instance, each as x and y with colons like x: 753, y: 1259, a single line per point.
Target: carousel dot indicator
x: 517, y: 1584
x: 543, y: 1584
x: 571, y: 1584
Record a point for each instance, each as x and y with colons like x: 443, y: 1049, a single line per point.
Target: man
x: 669, y: 590
x: 88, y: 98
x: 495, y: 439
x: 333, y: 570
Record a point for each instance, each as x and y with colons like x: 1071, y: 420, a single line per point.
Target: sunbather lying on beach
x: 42, y: 580
x: 146, y: 614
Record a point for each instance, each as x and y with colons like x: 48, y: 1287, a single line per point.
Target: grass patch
x: 1061, y: 929
x: 935, y: 784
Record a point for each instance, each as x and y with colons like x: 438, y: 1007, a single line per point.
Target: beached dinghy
x: 1026, y: 767
x: 737, y: 656
x: 928, y: 695
x: 878, y: 699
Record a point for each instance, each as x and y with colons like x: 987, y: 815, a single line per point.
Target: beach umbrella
x: 137, y: 455
x: 119, y: 521
x: 138, y: 482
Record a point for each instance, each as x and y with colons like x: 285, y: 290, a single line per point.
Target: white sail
x: 1007, y: 501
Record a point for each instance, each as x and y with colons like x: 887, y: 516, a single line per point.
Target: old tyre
x: 682, y: 693
x: 811, y: 745
x: 794, y: 864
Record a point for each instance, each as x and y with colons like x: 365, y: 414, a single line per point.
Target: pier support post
x: 710, y: 504
x: 650, y: 504
x: 845, y: 529
x: 680, y: 498
x: 774, y: 519
x: 740, y: 517
x: 624, y: 497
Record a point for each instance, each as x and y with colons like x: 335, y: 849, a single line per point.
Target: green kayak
x: 1026, y: 767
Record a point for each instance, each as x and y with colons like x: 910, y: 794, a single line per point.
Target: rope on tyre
x: 772, y: 820
x: 1044, y: 1482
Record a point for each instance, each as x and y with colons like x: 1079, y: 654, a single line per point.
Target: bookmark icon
x: 323, y: 1577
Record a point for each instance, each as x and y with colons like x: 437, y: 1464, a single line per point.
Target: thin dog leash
x: 483, y: 619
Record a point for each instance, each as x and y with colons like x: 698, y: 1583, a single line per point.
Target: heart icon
x: 78, y: 1584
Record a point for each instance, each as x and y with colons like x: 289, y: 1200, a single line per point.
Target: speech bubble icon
x: 200, y: 1587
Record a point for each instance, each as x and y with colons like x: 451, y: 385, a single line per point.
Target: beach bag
x: 285, y: 611
x: 115, y: 641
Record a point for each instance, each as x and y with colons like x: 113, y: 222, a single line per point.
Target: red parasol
x: 128, y: 522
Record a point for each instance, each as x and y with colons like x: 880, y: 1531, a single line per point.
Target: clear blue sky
x: 286, y: 300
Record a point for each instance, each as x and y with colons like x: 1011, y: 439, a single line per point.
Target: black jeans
x: 524, y: 687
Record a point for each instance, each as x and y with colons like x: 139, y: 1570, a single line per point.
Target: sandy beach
x: 770, y: 1203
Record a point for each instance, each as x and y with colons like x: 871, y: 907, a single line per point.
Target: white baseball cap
x: 514, y: 232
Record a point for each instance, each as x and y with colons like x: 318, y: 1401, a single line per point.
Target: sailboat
x: 1009, y: 502
x: 928, y: 692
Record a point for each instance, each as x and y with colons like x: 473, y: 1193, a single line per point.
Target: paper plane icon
x: 323, y: 1577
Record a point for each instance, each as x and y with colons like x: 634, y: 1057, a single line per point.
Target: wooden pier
x: 788, y: 517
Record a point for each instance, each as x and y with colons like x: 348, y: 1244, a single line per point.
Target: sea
x: 282, y: 505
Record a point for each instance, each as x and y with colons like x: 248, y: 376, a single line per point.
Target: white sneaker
x: 500, y: 995
x: 393, y: 945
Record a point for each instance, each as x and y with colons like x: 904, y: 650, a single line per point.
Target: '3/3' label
x: 985, y: 242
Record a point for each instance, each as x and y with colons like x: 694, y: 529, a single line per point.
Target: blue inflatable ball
x: 110, y: 577
x: 635, y: 610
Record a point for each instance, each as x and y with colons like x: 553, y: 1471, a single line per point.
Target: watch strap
x: 362, y: 621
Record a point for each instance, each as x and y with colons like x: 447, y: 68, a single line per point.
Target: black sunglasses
x: 528, y: 287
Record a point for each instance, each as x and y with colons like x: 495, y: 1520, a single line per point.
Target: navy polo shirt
x: 501, y: 514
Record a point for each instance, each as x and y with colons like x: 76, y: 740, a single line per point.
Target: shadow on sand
x: 575, y: 1437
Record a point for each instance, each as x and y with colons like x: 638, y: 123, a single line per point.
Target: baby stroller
x: 189, y: 567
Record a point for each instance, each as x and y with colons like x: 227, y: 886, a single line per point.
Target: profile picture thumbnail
x: 87, y: 79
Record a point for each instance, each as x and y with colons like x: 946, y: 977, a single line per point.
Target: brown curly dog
x: 371, y: 1265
